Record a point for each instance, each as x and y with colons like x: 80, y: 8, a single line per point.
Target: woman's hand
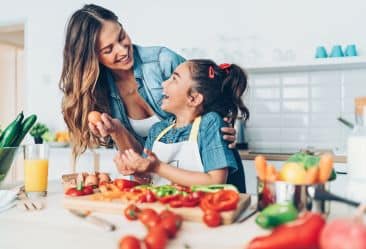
x: 107, y: 126
x: 229, y: 134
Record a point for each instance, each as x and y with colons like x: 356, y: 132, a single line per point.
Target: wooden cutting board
x: 117, y: 207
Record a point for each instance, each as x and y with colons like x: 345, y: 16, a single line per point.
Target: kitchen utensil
x: 240, y: 133
x: 323, y: 195
x: 29, y: 205
x: 248, y: 214
x: 302, y: 196
x: 321, y: 52
x: 94, y: 220
x: 346, y: 122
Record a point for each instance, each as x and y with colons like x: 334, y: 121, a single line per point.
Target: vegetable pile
x: 300, y: 168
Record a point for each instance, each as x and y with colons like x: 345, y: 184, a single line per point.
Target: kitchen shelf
x: 340, y: 63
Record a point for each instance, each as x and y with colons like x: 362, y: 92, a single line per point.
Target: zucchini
x: 26, y: 126
x: 11, y: 132
x: 213, y: 188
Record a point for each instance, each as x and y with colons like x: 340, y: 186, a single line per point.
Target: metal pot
x: 302, y: 196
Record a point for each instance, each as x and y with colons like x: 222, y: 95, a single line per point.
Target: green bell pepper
x: 276, y: 214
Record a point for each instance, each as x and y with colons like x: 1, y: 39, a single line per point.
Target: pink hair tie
x: 211, y: 72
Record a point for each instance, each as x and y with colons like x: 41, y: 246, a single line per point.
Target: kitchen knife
x: 94, y: 220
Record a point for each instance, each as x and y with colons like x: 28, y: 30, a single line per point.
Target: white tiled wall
x: 297, y: 109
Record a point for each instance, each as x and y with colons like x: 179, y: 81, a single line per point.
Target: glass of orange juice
x: 36, y: 168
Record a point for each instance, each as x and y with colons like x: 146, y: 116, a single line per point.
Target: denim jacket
x: 152, y: 66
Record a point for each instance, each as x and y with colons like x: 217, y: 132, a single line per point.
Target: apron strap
x: 195, y: 129
x: 164, y: 131
x: 192, y: 136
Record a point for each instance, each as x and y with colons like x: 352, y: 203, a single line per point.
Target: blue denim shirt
x: 152, y: 66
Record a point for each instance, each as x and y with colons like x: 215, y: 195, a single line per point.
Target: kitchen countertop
x: 54, y: 227
x: 279, y: 156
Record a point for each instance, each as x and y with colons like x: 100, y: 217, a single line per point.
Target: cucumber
x: 11, y: 132
x: 26, y: 126
x: 213, y: 188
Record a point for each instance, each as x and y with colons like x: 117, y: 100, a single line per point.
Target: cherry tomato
x: 129, y: 242
x: 212, y: 218
x: 131, y: 212
x: 156, y: 238
x: 166, y: 213
x: 73, y: 192
x: 148, y: 214
x: 171, y: 224
x: 87, y: 190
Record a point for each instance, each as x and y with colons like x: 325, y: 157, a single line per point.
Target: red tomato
x: 166, y: 213
x: 87, y: 190
x: 152, y: 221
x: 147, y: 214
x: 131, y: 212
x: 73, y: 192
x: 156, y: 238
x: 123, y: 183
x: 212, y: 218
x: 171, y: 225
x: 129, y: 242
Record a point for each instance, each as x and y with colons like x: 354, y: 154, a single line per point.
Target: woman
x: 104, y: 71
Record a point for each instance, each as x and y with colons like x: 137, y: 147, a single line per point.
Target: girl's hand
x: 229, y: 134
x: 135, y: 162
x: 122, y: 164
x: 107, y: 126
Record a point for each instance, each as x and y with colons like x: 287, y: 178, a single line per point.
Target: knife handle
x: 101, y: 222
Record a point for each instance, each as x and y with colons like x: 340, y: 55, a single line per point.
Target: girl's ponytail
x: 233, y: 88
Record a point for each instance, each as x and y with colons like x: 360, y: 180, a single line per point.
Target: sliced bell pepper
x: 224, y: 200
x: 123, y: 183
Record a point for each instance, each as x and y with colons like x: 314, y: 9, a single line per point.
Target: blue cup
x: 321, y: 52
x: 337, y: 51
x: 350, y: 50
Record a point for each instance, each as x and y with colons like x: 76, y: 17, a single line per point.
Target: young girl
x: 188, y: 149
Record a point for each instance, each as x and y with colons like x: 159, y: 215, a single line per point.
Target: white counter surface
x: 54, y: 227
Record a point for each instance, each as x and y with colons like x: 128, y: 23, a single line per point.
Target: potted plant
x: 37, y: 131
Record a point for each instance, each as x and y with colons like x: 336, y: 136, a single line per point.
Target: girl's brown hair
x: 83, y: 80
x: 222, y: 87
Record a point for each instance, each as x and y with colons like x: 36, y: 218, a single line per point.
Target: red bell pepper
x: 303, y: 233
x: 222, y: 200
x: 189, y: 200
x: 148, y: 196
x: 123, y: 183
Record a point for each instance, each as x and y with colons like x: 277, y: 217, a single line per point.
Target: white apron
x: 183, y: 155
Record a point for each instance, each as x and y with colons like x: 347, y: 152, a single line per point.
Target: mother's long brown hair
x: 83, y: 77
